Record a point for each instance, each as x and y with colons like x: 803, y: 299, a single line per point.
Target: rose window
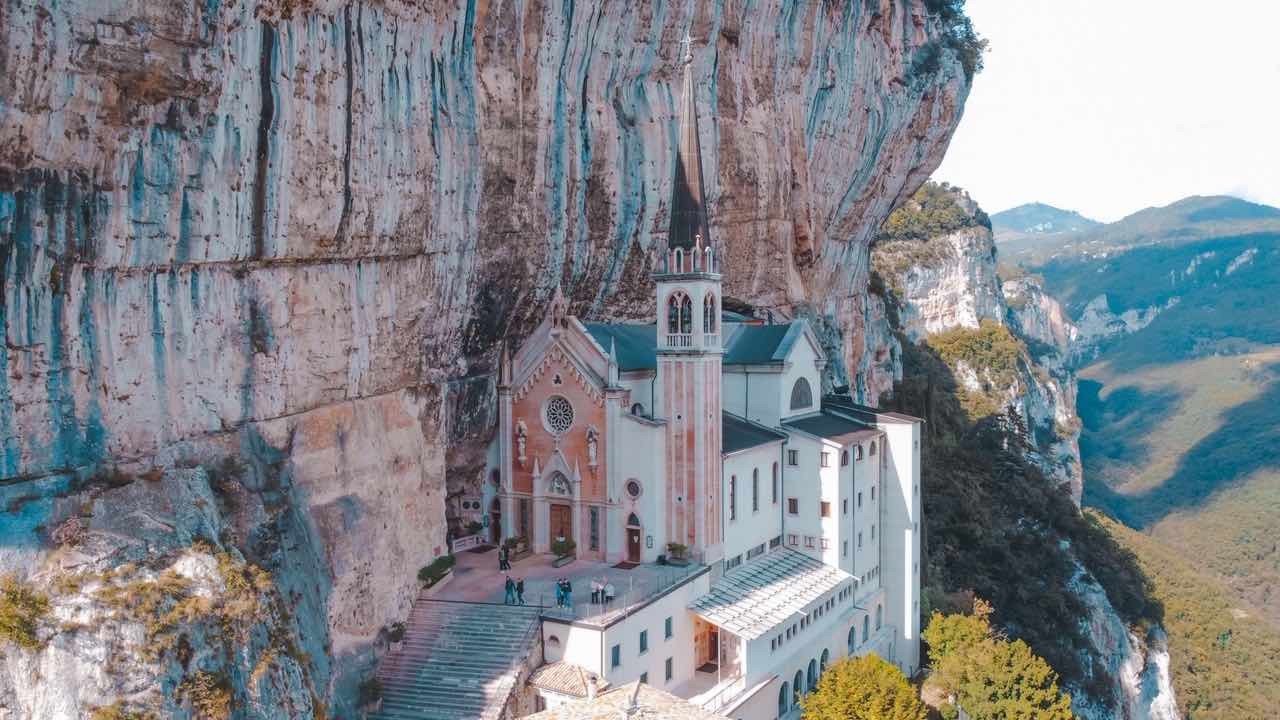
x: 559, y: 415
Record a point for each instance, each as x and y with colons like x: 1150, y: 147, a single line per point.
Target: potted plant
x: 517, y: 547
x: 433, y: 574
x: 395, y: 635
x: 371, y: 695
x: 677, y: 554
x: 564, y: 551
x: 474, y: 527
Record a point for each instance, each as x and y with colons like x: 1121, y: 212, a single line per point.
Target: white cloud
x: 1110, y: 106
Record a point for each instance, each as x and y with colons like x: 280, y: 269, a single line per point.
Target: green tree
x: 1003, y: 680
x: 22, y: 608
x: 863, y: 688
x: 990, y: 677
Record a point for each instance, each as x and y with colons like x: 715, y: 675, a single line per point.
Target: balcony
x: 679, y: 340
x: 711, y: 340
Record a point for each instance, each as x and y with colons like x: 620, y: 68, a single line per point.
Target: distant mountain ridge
x: 1039, y: 219
x: 1191, y: 219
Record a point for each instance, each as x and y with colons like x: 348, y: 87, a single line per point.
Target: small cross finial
x: 687, y: 42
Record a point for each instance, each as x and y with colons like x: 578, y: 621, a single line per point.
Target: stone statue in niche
x: 593, y: 442
x: 522, y: 438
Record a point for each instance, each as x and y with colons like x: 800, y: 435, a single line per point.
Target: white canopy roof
x: 752, y: 600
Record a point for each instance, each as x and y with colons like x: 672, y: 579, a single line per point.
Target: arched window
x: 801, y: 395
x: 709, y: 313
x: 866, y: 628
x: 858, y: 453
x: 844, y: 458
x: 873, y: 447
x: 637, y: 409
x: 755, y: 490
x: 813, y: 676
x: 633, y: 520
x: 822, y: 664
x: 784, y: 699
x: 797, y: 687
x: 853, y: 639
x: 879, y: 616
x: 679, y: 260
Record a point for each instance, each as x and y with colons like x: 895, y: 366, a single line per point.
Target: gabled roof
x: 844, y: 404
x: 836, y: 428
x: 744, y: 343
x: 650, y: 703
x: 739, y: 433
x: 563, y: 678
x: 635, y: 344
x: 753, y: 599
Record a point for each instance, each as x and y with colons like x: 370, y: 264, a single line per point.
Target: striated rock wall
x: 295, y: 232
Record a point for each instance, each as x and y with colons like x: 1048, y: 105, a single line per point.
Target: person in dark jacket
x: 510, y: 598
x: 520, y: 591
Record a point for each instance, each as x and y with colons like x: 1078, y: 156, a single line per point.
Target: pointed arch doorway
x: 633, y: 538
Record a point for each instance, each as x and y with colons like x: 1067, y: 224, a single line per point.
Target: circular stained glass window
x: 633, y: 488
x: 559, y: 415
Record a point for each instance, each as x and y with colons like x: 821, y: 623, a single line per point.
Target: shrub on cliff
x: 431, y: 574
x: 863, y: 688
x: 934, y: 210
x: 209, y: 695
x: 989, y: 676
x: 22, y: 608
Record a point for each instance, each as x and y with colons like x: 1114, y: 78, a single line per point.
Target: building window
x: 873, y: 447
x: 668, y: 671
x: 644, y: 678
x: 633, y: 488
x: 558, y: 415
x: 857, y: 452
x: 879, y: 616
x: 824, y: 459
x: 859, y: 500
x: 844, y: 458
x: 637, y: 409
x: 756, y: 551
x: 666, y: 629
x: 615, y: 656
x: 846, y: 548
x: 732, y: 562
x: 873, y: 531
x: 824, y: 508
x: 709, y: 314
x: 775, y: 542
x: 859, y: 541
x: 644, y: 641
x: 793, y: 506
x: 873, y: 493
x: 679, y: 313
x: 793, y: 457
x: 825, y: 543
x: 733, y: 497
x: 845, y: 505
x: 808, y: 541
x: 594, y: 524
x: 866, y: 628
x: 791, y: 540
x: 755, y: 490
x: 801, y: 395
x: 775, y: 483
x: 525, y: 530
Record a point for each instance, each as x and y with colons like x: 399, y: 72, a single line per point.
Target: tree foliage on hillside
x: 934, y: 210
x: 863, y: 688
x: 996, y: 525
x: 958, y: 34
x: 989, y: 676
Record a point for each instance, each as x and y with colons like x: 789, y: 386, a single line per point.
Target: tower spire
x: 688, y: 199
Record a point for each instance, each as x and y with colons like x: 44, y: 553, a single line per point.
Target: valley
x: 1178, y: 353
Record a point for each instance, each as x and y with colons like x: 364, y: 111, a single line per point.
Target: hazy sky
x: 1110, y: 106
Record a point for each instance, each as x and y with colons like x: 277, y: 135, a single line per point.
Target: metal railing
x: 711, y: 339
x: 726, y: 692
x: 628, y: 597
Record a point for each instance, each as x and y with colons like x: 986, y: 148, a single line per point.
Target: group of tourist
x: 564, y: 593
x: 602, y: 591
x: 515, y: 591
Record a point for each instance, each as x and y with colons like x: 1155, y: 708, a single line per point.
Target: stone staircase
x: 458, y: 660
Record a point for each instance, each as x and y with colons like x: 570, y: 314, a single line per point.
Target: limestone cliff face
x: 296, y: 232
x: 949, y: 281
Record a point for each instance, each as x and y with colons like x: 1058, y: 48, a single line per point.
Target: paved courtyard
x: 476, y: 578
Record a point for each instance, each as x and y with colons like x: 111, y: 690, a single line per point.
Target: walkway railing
x: 637, y: 591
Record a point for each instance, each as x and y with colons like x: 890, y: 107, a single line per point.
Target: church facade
x: 705, y: 436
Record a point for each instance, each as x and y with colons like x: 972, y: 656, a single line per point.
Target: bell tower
x: 689, y: 348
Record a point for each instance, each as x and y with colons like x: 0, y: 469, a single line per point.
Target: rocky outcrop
x: 948, y: 282
x: 296, y: 232
x: 1098, y: 323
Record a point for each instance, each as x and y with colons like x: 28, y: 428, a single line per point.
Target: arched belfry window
x: 709, y: 313
x: 801, y: 395
x: 679, y: 314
